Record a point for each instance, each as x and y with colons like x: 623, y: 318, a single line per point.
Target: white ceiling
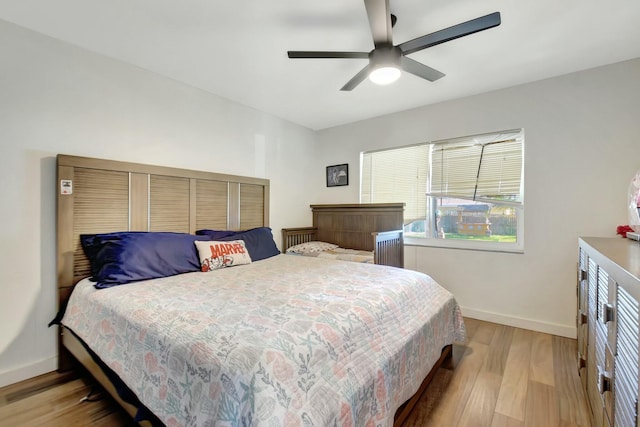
x: 237, y: 48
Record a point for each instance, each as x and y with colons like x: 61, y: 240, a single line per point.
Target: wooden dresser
x: 609, y: 328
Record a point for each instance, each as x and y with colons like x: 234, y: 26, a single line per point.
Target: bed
x: 367, y: 232
x: 281, y: 340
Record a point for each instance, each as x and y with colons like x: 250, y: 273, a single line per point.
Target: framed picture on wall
x: 337, y: 175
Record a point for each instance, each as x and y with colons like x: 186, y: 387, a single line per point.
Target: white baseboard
x: 28, y: 371
x: 568, y: 331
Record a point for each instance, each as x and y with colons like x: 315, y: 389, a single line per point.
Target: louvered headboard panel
x: 169, y: 203
x: 100, y: 201
x: 101, y: 196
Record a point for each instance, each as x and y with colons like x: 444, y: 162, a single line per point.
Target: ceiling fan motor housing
x: 385, y: 56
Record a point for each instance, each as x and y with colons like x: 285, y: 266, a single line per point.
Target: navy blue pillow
x: 217, y: 234
x: 123, y: 257
x: 259, y: 241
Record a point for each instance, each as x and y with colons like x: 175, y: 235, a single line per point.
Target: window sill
x: 465, y: 245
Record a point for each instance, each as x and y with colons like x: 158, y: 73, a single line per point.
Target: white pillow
x: 309, y: 247
x: 215, y: 255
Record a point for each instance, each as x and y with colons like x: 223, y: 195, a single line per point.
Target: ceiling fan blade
x: 357, y: 79
x: 451, y: 33
x: 418, y: 69
x: 312, y: 54
x: 379, y: 16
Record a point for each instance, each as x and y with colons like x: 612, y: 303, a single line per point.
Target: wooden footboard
x: 295, y: 236
x: 389, y: 248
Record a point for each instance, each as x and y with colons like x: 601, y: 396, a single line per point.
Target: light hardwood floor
x: 506, y: 377
x: 502, y: 377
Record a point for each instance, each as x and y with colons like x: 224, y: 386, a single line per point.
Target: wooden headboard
x: 351, y: 225
x: 101, y: 196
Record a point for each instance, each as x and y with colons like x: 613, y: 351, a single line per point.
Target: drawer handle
x: 582, y: 275
x: 582, y: 362
x: 604, y: 381
x: 607, y: 313
x: 582, y: 318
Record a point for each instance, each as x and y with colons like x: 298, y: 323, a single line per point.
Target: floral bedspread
x: 286, y: 341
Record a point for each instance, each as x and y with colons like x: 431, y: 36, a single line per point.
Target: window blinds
x: 397, y: 175
x: 484, y: 168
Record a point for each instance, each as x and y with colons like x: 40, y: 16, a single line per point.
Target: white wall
x: 55, y: 98
x: 582, y: 147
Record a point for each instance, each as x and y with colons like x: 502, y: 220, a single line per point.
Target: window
x: 464, y: 192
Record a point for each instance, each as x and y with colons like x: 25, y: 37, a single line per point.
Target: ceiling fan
x: 386, y: 60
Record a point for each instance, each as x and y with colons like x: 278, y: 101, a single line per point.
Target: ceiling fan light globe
x: 384, y: 75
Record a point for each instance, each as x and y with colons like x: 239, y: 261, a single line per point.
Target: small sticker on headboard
x: 66, y: 186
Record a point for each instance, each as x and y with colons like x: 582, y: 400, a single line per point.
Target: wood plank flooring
x: 54, y: 400
x: 505, y: 377
x: 502, y: 377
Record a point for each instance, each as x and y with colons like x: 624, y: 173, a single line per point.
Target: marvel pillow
x: 259, y: 241
x: 215, y: 255
x: 124, y: 257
